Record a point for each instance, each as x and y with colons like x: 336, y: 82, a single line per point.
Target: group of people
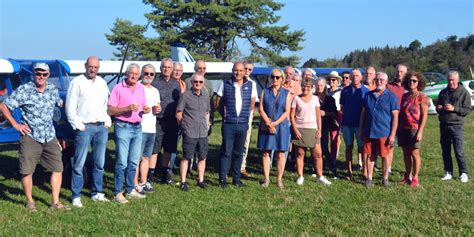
x: 152, y: 112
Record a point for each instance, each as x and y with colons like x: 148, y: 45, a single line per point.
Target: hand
x: 156, y: 109
x: 323, y: 113
x: 391, y: 140
x: 297, y: 134
x: 23, y: 129
x: 133, y: 107
x: 318, y: 134
x: 419, y: 136
x: 439, y: 108
x: 146, y: 109
x: 448, y: 107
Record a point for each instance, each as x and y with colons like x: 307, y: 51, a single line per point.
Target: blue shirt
x: 37, y: 109
x: 352, y: 99
x: 378, y: 113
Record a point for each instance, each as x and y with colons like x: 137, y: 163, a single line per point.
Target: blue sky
x: 74, y: 29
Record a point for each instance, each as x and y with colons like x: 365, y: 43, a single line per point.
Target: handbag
x: 263, y: 127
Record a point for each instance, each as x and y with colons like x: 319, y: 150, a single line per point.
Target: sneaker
x: 405, y: 181
x: 265, y: 183
x: 368, y: 183
x: 238, y: 184
x: 335, y: 175
x: 31, y: 207
x: 280, y: 184
x: 99, y: 197
x: 349, y: 177
x: 148, y: 188
x: 300, y: 180
x: 414, y: 183
x: 202, y: 185
x: 139, y: 188
x: 314, y: 175
x: 184, y: 187
x: 120, y: 198
x: 245, y: 174
x: 447, y: 176
x: 323, y: 180
x: 76, y: 202
x: 134, y: 194
x: 464, y: 178
x: 59, y: 206
x: 166, y: 180
x: 385, y: 183
x: 222, y: 184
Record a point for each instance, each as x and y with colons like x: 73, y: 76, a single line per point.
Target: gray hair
x: 383, y: 74
x: 149, y: 65
x: 320, y: 79
x: 196, y: 64
x: 166, y: 60
x: 132, y: 65
x: 177, y: 64
x: 453, y: 73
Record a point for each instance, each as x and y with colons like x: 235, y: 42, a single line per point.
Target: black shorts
x: 33, y: 152
x: 407, y: 138
x: 166, y: 136
x: 193, y: 146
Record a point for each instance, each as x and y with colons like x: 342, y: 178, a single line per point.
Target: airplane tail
x: 180, y: 54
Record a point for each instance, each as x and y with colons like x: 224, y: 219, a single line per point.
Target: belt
x: 134, y: 124
x: 95, y: 124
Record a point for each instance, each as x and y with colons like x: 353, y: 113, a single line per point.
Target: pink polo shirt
x: 122, y: 96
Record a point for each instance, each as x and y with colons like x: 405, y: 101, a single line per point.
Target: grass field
x: 344, y: 208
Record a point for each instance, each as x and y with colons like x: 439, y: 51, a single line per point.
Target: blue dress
x: 281, y: 140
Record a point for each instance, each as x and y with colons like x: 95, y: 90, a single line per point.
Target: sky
x: 75, y: 29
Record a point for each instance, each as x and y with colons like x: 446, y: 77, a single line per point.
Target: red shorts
x: 379, y: 145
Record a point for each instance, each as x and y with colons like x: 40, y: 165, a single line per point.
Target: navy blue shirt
x: 378, y: 114
x: 352, y: 99
x: 169, y: 96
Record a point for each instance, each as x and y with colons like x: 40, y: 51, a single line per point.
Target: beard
x: 380, y: 88
x: 147, y: 81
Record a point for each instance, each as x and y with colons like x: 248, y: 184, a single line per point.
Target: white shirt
x: 238, y: 94
x: 86, y: 102
x: 149, y: 120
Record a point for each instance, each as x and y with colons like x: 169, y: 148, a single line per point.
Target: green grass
x: 344, y: 208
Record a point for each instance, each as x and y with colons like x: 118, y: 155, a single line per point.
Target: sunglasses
x: 149, y: 74
x: 275, y: 77
x: 249, y: 69
x: 39, y: 74
x: 198, y: 82
x: 332, y: 79
x: 413, y: 81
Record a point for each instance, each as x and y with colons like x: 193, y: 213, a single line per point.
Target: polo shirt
x: 122, y: 96
x: 397, y: 90
x: 195, y: 109
x: 351, y: 100
x: 378, y: 114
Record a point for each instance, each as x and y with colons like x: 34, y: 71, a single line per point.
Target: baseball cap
x: 41, y: 66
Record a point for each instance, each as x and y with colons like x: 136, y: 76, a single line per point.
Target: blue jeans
x: 98, y: 134
x: 128, y: 147
x: 233, y: 140
x: 453, y: 134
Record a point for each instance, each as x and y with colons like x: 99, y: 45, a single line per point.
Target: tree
x: 212, y: 29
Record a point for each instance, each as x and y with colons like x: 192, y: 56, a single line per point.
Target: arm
x: 112, y: 110
x: 293, y: 123
x: 179, y: 117
x: 179, y: 109
x: 424, y: 118
x: 391, y: 138
x: 71, y: 107
x: 285, y: 114
x: 465, y: 108
x: 265, y: 119
x: 361, y: 121
x: 318, y: 121
x: 22, y: 128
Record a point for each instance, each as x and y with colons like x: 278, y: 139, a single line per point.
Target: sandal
x: 59, y: 206
x: 31, y: 206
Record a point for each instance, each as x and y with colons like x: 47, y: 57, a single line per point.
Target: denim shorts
x: 348, y: 133
x: 148, y: 141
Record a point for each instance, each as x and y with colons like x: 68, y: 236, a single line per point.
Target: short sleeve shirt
x: 37, y: 109
x: 378, y: 114
x: 305, y: 116
x: 169, y: 96
x: 351, y: 100
x: 195, y: 109
x: 410, y: 110
x: 397, y: 90
x: 149, y: 120
x: 122, y: 96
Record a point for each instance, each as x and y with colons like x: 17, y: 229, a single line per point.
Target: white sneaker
x: 314, y: 175
x: 323, y: 180
x: 99, y: 197
x: 300, y: 180
x: 76, y: 202
x: 120, y: 198
x: 139, y: 188
x: 464, y: 178
x: 447, y: 176
x: 135, y: 195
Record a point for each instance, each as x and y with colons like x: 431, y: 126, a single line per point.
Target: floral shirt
x: 36, y: 108
x: 410, y: 110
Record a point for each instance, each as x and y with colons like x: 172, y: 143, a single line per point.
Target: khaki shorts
x: 308, y: 138
x: 33, y: 152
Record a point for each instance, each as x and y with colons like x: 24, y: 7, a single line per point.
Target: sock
x: 151, y: 174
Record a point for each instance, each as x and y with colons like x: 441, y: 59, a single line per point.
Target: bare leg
x: 349, y: 159
x: 281, y: 164
x: 317, y: 156
x: 201, y: 169
x: 183, y: 169
x: 408, y: 162
x: 56, y: 179
x: 266, y: 165
x: 416, y: 162
x: 27, y: 182
x: 300, y: 160
x: 385, y: 166
x: 144, y: 164
x: 371, y: 159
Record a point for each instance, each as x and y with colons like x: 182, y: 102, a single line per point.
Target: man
x: 290, y: 83
x: 237, y: 97
x: 346, y: 79
x: 454, y: 103
x: 152, y: 96
x: 200, y: 68
x: 177, y: 73
x: 127, y: 103
x: 369, y: 78
x: 166, y: 124
x: 352, y: 98
x: 378, y: 126
x: 38, y: 143
x: 309, y: 73
x: 243, y: 169
x: 396, y: 87
x: 86, y: 110
x: 192, y: 113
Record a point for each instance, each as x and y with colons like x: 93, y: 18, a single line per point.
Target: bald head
x: 92, y: 67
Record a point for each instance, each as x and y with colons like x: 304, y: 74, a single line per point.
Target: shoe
x: 376, y: 169
x: 447, y: 176
x: 245, y: 174
x: 349, y: 177
x: 120, y: 198
x: 335, y: 175
x: 300, y: 180
x: 222, y: 184
x: 238, y: 184
x: 280, y: 184
x: 414, y: 183
x: 405, y: 181
x: 148, y: 188
x: 76, y: 202
x: 314, y: 175
x: 368, y: 183
x: 184, y: 187
x: 134, y: 194
x: 139, y: 188
x: 202, y: 185
x: 59, y: 206
x: 390, y: 171
x: 166, y: 180
x: 265, y: 183
x: 359, y: 167
x: 464, y: 178
x: 99, y: 197
x: 31, y: 207
x: 323, y: 180
x: 385, y: 183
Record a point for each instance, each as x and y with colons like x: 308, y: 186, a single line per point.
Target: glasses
x: 332, y: 79
x: 249, y: 69
x: 149, y: 73
x: 198, y: 82
x: 275, y: 77
x: 39, y: 74
x: 413, y: 81
x: 345, y: 78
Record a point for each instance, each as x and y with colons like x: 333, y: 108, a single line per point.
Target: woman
x: 305, y: 119
x: 413, y: 116
x: 274, y: 131
x: 333, y: 131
